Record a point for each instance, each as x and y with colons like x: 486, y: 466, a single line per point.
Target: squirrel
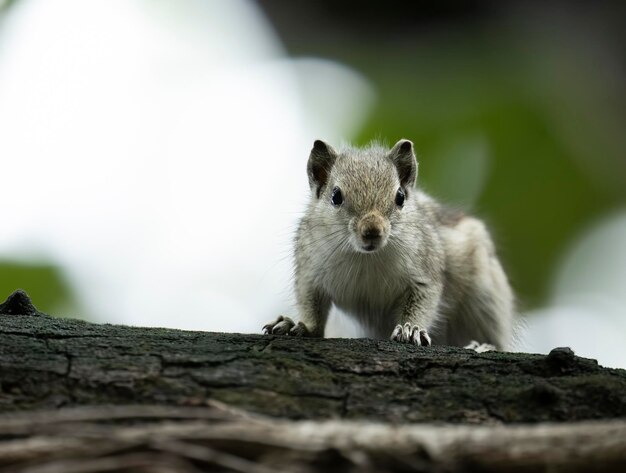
x: 382, y: 251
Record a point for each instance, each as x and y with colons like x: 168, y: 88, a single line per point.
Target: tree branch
x: 187, y: 400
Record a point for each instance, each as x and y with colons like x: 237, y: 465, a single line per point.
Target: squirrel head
x: 360, y: 194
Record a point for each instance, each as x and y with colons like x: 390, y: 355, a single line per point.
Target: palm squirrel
x: 403, y: 265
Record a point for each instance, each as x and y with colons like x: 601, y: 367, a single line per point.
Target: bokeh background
x: 154, y: 152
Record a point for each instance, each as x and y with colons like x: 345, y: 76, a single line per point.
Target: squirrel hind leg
x: 478, y: 295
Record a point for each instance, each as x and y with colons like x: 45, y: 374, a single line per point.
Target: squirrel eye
x: 400, y: 197
x: 336, y: 198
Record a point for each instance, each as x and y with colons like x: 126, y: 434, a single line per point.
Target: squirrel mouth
x: 370, y: 247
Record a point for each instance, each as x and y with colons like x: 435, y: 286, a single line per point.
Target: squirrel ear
x: 321, y: 161
x: 403, y: 157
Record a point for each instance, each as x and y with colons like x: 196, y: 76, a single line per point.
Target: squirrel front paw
x: 408, y: 333
x: 286, y: 326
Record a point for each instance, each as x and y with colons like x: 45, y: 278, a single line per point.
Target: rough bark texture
x: 50, y: 362
x: 47, y: 363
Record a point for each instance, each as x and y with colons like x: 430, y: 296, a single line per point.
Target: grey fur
x: 425, y: 271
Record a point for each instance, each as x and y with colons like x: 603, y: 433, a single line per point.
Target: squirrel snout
x: 371, y: 231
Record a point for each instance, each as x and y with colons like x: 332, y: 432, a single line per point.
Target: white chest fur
x: 368, y: 287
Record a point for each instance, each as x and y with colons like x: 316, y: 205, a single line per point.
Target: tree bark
x: 349, y: 388
x: 51, y: 362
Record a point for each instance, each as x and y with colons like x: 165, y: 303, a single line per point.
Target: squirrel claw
x: 269, y: 327
x: 285, y: 326
x: 408, y: 333
x: 280, y: 326
x: 300, y: 330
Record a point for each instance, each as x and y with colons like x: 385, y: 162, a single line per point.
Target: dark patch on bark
x: 18, y: 303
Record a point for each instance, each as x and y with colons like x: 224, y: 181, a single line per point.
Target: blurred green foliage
x: 43, y: 283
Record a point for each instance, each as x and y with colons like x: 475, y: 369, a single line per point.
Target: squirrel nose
x: 371, y: 233
x: 371, y: 229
